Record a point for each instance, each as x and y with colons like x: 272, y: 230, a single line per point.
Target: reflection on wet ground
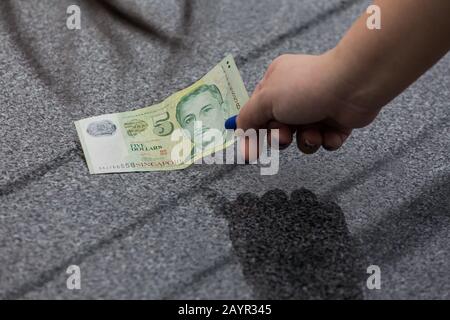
x: 294, y: 247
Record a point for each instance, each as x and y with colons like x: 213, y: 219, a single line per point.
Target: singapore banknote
x: 170, y: 135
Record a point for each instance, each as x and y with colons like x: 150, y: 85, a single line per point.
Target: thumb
x: 257, y: 112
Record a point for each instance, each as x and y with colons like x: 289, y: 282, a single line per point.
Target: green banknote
x: 170, y: 135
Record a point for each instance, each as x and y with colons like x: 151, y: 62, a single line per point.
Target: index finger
x: 257, y: 112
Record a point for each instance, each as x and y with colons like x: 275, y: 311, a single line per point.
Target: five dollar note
x: 170, y: 135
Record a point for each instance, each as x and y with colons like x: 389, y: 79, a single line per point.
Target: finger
x: 249, y: 142
x: 332, y: 140
x: 332, y: 125
x: 257, y: 112
x: 309, y: 139
x: 284, y: 138
x: 248, y: 146
x: 345, y: 135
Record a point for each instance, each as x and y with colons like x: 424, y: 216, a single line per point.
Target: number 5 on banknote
x: 161, y: 125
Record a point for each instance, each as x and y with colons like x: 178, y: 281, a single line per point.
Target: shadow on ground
x: 294, y: 248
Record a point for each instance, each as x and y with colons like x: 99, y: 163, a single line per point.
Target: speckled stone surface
x: 224, y: 232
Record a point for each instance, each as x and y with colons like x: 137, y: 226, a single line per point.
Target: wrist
x: 347, y: 82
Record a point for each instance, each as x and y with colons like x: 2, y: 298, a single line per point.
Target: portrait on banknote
x: 202, y: 113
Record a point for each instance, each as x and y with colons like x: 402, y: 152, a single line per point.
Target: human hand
x: 307, y: 96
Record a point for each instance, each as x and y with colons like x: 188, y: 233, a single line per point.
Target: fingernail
x: 231, y: 123
x: 309, y: 144
x: 328, y: 148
